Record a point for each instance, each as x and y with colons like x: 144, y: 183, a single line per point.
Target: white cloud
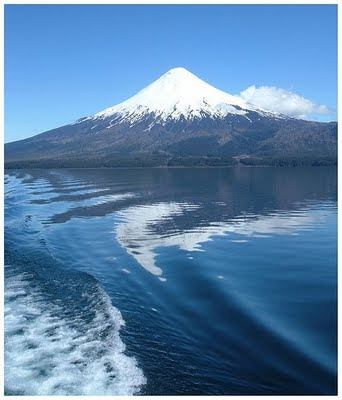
x: 283, y: 101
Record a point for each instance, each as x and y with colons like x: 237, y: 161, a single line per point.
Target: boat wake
x: 65, y: 341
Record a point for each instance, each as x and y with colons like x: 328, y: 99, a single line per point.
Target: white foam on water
x: 125, y: 270
x: 49, y: 355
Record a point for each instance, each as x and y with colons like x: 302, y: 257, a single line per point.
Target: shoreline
x: 176, y: 167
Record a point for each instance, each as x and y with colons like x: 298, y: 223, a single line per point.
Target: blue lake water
x: 171, y: 281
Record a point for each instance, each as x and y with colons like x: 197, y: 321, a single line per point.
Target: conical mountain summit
x: 177, y: 119
x: 180, y: 94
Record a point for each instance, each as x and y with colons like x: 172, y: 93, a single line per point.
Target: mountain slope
x: 177, y: 94
x: 178, y: 115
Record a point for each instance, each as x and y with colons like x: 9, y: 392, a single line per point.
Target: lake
x: 171, y: 281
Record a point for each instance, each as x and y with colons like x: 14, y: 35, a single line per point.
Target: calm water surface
x: 171, y: 281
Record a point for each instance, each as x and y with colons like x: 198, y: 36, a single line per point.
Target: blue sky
x: 63, y: 62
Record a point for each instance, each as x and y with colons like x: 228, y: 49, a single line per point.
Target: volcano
x: 177, y: 120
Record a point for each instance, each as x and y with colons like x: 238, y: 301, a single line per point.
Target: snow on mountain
x: 176, y: 120
x: 179, y: 94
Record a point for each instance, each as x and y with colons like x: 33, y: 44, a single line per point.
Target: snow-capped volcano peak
x: 178, y: 93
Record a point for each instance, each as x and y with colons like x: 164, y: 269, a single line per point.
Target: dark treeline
x: 290, y: 161
x: 121, y: 162
x: 176, y: 161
